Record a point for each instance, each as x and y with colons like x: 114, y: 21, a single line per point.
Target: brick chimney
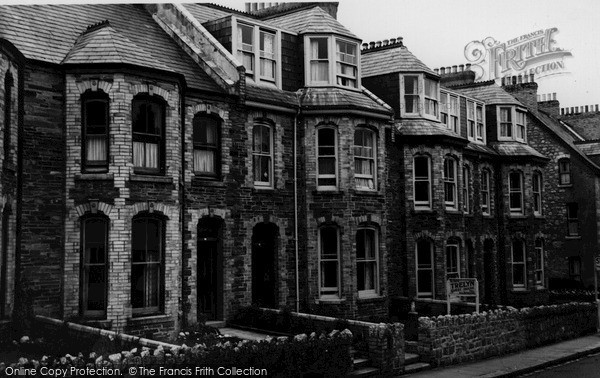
x: 549, y: 104
x: 523, y: 88
x: 456, y: 75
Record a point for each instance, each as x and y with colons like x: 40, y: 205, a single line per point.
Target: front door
x: 209, y: 286
x: 264, y: 272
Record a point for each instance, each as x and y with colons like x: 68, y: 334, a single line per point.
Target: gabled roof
x: 489, y: 92
x: 49, y: 33
x: 312, y: 20
x: 391, y: 60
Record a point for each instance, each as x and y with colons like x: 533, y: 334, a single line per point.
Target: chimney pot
x: 596, y: 107
x: 371, y: 45
x: 503, y: 81
x: 378, y: 44
x: 514, y: 80
x: 468, y: 67
x: 248, y: 7
x: 392, y: 41
x: 436, y: 70
x: 385, y: 42
x: 554, y: 96
x: 461, y: 67
x: 562, y: 111
x: 531, y: 78
x: 364, y: 46
x: 442, y: 70
x: 587, y: 108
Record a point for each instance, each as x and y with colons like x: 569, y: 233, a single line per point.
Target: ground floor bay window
x: 424, y: 255
x: 147, y: 265
x: 367, y: 267
x: 329, y: 263
x: 94, y: 267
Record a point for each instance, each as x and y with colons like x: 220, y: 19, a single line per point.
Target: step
x: 410, y: 358
x: 411, y: 346
x: 416, y: 367
x: 364, y: 372
x: 216, y: 323
x: 360, y: 363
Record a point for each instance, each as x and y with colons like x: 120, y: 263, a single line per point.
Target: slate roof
x: 312, y: 20
x: 589, y: 148
x: 422, y: 127
x: 270, y: 95
x: 516, y: 149
x: 489, y: 92
x: 206, y: 12
x: 476, y: 147
x: 332, y: 97
x: 51, y: 33
x: 390, y: 60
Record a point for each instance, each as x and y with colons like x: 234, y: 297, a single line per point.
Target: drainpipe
x: 299, y: 95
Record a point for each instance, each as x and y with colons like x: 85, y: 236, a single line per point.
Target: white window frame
x: 485, y: 189
x: 536, y: 180
x: 523, y: 262
x: 336, y: 158
x: 471, y: 122
x: 466, y: 189
x: 430, y: 267
x: 521, y: 192
x: 372, y: 160
x: 433, y: 100
x: 452, y: 182
x: 540, y: 279
x: 520, y: 128
x: 420, y: 95
x: 422, y: 205
x: 339, y: 59
x: 270, y: 155
x: 329, y: 292
x: 374, y: 260
x: 451, y: 109
x: 509, y: 124
x: 332, y: 61
x: 255, y: 74
x: 512, y: 125
x: 480, y: 136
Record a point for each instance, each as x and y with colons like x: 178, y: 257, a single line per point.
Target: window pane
x: 329, y: 272
x: 319, y: 48
x: 329, y: 243
x: 422, y: 191
x: 424, y: 281
x: 204, y: 161
x: 423, y: 253
x: 96, y: 288
x: 96, y: 148
x: 518, y: 274
x: 95, y: 113
x: 411, y: 84
x: 518, y: 251
x: 151, y: 160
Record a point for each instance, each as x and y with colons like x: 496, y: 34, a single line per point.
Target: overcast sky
x: 437, y: 31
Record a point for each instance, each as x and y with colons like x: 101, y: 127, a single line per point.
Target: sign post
x: 461, y: 287
x: 597, y: 267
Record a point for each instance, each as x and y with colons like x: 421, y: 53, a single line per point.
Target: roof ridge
x: 474, y: 85
x: 96, y: 26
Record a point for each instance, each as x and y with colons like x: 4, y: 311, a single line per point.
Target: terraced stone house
x: 166, y: 164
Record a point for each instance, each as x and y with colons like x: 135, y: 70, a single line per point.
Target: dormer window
x: 258, y: 51
x: 512, y: 123
x: 420, y: 96
x: 319, y: 58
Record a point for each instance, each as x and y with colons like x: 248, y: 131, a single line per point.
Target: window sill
x: 454, y: 211
x: 366, y: 192
x: 517, y: 216
x: 263, y: 189
x: 520, y: 290
x: 94, y: 176
x: 148, y: 318
x: 369, y: 298
x: 423, y: 210
x: 573, y: 237
x: 149, y: 178
x: 330, y: 300
x: 327, y: 192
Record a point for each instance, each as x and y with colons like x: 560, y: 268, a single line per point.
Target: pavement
x: 514, y: 365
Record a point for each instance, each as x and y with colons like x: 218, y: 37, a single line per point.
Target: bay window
x: 449, y: 111
x: 364, y: 159
x: 327, y: 169
x: 518, y: 263
x: 329, y: 265
x: 450, y: 183
x: 471, y: 120
x: 422, y: 182
x: 411, y: 94
x: 515, y: 192
x: 480, y: 129
x: 95, y: 132
x: 367, y: 267
x: 258, y: 50
x: 148, y: 134
x: 512, y: 123
x: 431, y: 97
x: 94, y: 266
x: 332, y: 61
x: 147, y: 268
x: 424, y: 267
x: 506, y: 122
x: 520, y: 125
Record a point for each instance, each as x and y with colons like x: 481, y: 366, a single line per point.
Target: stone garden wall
x: 446, y: 340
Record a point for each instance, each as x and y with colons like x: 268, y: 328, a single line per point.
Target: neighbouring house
x: 166, y: 164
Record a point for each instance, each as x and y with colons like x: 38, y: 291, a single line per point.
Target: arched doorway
x: 210, y: 269
x: 264, y: 264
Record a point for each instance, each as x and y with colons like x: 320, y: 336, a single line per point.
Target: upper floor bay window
x: 450, y: 182
x: 94, y: 266
x: 332, y: 61
x: 207, y: 147
x: 424, y: 264
x: 480, y: 127
x: 258, y: 50
x: 422, y: 182
x: 512, y: 123
x: 449, y: 111
x: 148, y: 134
x: 420, y: 96
x: 95, y: 131
x: 262, y: 154
x: 327, y: 151
x: 471, y: 120
x: 365, y: 159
